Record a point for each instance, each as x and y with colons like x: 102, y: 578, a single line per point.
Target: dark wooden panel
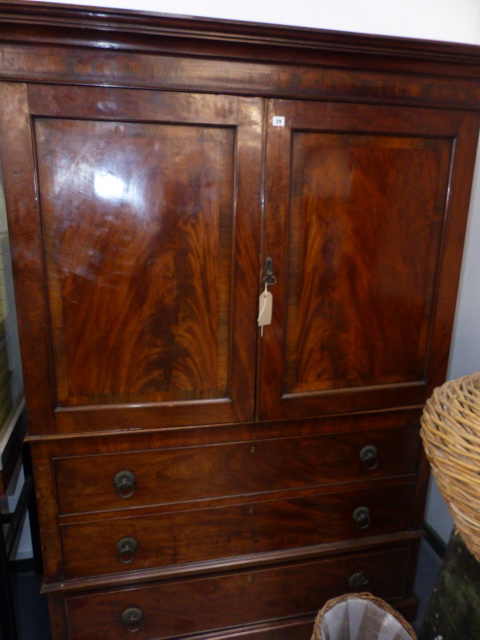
x: 163, y: 476
x: 256, y: 71
x: 137, y: 440
x: 359, y: 222
x: 138, y: 225
x: 207, y: 534
x: 365, y: 228
x: 192, y: 606
x: 44, y: 449
x: 104, y: 103
x: 151, y: 252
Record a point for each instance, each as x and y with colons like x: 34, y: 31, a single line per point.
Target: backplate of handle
x: 124, y: 482
x: 358, y: 580
x: 126, y: 550
x: 132, y: 618
x: 361, y: 517
x: 369, y: 457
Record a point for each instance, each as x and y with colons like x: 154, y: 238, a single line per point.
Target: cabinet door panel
x: 139, y: 282
x: 148, y: 263
x: 358, y: 226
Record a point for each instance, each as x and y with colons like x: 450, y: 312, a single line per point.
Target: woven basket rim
x: 365, y: 595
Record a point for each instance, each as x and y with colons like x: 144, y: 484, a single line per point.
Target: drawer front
x: 185, y: 607
x: 142, y: 542
x: 162, y: 476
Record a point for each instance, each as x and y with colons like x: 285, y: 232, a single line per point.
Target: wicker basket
x: 451, y: 439
x: 360, y: 616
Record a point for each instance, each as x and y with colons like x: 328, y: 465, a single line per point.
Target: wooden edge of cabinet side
x: 27, y: 257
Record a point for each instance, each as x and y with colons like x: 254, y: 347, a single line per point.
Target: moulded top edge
x: 39, y: 17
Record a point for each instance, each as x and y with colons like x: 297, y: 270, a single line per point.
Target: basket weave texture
x: 451, y: 439
x: 370, y: 627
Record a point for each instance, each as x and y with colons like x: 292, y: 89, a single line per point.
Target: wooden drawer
x: 179, y: 537
x: 163, y: 476
x: 190, y: 606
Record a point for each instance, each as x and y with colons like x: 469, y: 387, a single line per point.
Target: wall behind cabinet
x: 450, y: 20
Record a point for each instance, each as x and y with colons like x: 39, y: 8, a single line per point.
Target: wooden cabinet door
x: 365, y: 215
x: 149, y: 210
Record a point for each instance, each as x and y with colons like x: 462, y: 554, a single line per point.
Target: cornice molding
x: 48, y: 23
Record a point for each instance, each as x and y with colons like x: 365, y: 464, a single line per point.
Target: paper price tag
x: 265, y: 306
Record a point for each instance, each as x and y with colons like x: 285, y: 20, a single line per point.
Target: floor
x: 31, y: 607
x: 33, y: 617
x: 428, y: 569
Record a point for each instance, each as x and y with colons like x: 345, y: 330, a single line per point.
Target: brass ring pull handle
x: 124, y: 482
x: 358, y: 580
x: 369, y: 457
x: 126, y: 550
x: 132, y: 618
x: 361, y: 517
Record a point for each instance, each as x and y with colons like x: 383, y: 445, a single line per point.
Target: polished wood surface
x: 197, y: 535
x: 146, y: 186
x: 25, y: 233
x: 365, y: 210
x: 358, y: 242
x: 232, y: 57
x: 177, y: 475
x: 392, y: 364
x: 307, y: 81
x: 48, y: 451
x: 139, y: 265
x: 145, y: 240
x: 191, y: 606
